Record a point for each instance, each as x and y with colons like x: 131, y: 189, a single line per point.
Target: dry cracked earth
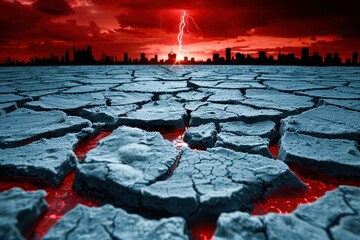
x: 182, y: 152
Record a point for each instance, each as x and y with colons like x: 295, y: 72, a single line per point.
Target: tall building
x: 337, y: 59
x: 126, y: 57
x: 83, y: 56
x: 216, y: 58
x: 355, y: 58
x: 228, y: 55
x: 316, y: 59
x: 67, y: 56
x: 142, y: 58
x: 329, y: 59
x: 171, y: 57
x: 240, y: 58
x: 305, y: 55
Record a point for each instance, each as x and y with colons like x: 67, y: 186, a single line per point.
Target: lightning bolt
x: 184, y: 23
x: 181, y: 33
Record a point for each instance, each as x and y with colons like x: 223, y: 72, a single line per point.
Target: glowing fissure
x: 62, y: 199
x: 286, y: 202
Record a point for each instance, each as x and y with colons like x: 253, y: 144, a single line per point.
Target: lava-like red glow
x: 203, y: 229
x: 176, y: 136
x: 286, y: 202
x: 89, y: 143
x: 62, y: 199
x: 274, y: 150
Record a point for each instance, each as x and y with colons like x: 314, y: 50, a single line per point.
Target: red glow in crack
x: 203, y: 229
x: 176, y: 136
x: 87, y: 144
x: 62, y: 199
x: 274, y: 150
x: 287, y: 202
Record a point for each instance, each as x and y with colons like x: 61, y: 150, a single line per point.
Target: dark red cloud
x: 43, y: 26
x: 228, y: 18
x: 56, y: 7
x: 15, y: 17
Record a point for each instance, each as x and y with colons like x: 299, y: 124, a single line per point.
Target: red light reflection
x: 286, y: 202
x: 62, y: 199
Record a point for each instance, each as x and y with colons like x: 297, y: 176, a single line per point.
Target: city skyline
x: 42, y: 27
x: 84, y: 56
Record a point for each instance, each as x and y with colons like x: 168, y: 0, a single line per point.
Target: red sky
x: 40, y: 27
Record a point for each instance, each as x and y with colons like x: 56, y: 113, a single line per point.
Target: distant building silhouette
x: 67, y: 56
x: 286, y: 59
x: 171, y: 57
x: 154, y: 60
x: 83, y: 56
x: 355, y: 58
x: 216, y: 58
x: 228, y: 55
x: 337, y: 59
x: 262, y: 58
x: 240, y: 58
x: 329, y: 59
x: 305, y: 53
x: 143, y: 59
x: 126, y: 58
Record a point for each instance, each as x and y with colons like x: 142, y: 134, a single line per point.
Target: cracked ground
x: 179, y: 152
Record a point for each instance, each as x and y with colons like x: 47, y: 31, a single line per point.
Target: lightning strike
x: 181, y: 33
x: 184, y: 23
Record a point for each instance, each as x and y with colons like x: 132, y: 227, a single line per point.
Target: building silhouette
x: 262, y: 59
x: 171, y: 58
x: 154, y: 60
x: 316, y: 59
x: 240, y: 58
x: 228, y: 55
x: 355, y: 58
x: 126, y: 58
x: 216, y: 58
x: 67, y: 56
x: 305, y: 52
x: 85, y: 57
x: 143, y: 59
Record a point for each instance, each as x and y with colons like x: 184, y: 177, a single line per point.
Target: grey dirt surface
x: 20, y: 212
x: 234, y: 112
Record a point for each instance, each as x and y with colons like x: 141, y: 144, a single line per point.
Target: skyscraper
x: 171, y: 57
x: 126, y: 57
x: 305, y: 55
x: 216, y: 58
x: 355, y: 58
x: 228, y: 55
x: 142, y: 58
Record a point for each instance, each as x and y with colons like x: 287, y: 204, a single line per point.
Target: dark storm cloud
x: 15, y: 17
x: 55, y: 7
x: 134, y: 24
x: 23, y: 22
x: 228, y: 18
